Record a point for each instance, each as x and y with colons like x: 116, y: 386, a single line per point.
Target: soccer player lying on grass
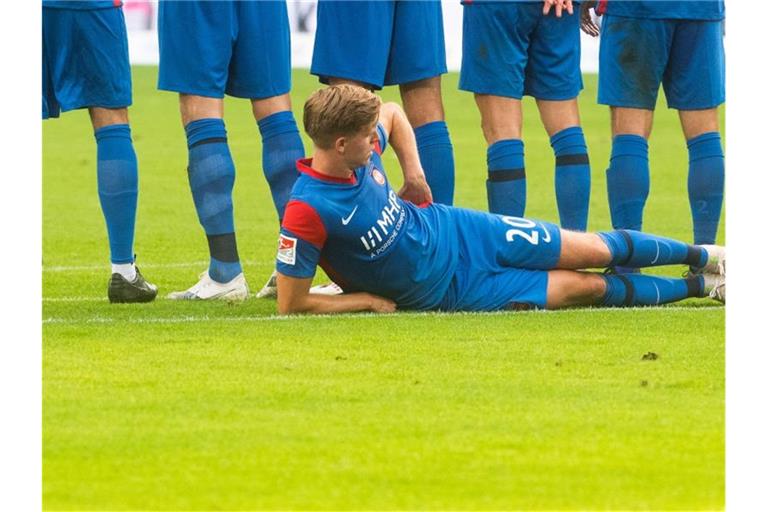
x: 388, y: 251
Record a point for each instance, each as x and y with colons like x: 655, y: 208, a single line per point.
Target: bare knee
x: 697, y: 122
x: 265, y: 107
x: 501, y: 117
x: 101, y: 117
x: 631, y: 121
x: 194, y: 108
x: 423, y: 101
x: 558, y: 115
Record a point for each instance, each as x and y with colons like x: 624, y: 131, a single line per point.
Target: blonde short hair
x: 339, y: 110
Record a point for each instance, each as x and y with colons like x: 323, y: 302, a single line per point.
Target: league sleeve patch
x: 286, y: 249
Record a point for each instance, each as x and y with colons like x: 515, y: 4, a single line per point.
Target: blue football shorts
x: 85, y: 60
x: 379, y: 43
x: 637, y: 55
x: 511, y: 49
x: 503, y: 262
x: 209, y: 49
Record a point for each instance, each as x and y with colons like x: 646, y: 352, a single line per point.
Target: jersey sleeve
x: 302, y: 237
x: 383, y: 138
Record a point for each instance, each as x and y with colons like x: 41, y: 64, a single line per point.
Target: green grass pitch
x: 213, y: 406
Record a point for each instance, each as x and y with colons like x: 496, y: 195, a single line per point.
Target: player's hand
x: 416, y: 190
x: 381, y: 305
x: 587, y: 24
x: 558, y: 5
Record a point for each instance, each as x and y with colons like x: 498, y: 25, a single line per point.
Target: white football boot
x: 269, y: 290
x: 715, y: 261
x: 714, y: 286
x: 208, y: 289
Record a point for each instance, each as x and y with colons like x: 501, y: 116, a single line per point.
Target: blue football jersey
x: 82, y: 5
x: 366, y: 238
x: 711, y: 10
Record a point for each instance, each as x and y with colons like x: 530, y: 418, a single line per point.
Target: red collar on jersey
x: 305, y: 165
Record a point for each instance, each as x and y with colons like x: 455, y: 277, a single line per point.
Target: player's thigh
x: 570, y: 288
x: 87, y: 58
x: 495, y: 47
x: 695, y: 75
x: 558, y: 115
x: 501, y: 117
x: 261, y: 56
x: 422, y: 101
x: 697, y: 122
x: 418, y: 43
x: 498, y: 241
x: 553, y: 72
x: 506, y: 288
x: 195, y: 40
x: 633, y: 56
x: 352, y: 41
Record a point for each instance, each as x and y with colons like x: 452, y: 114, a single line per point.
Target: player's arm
x: 293, y: 297
x: 403, y: 141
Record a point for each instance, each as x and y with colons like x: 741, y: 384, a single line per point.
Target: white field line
x: 270, y: 318
x: 202, y: 265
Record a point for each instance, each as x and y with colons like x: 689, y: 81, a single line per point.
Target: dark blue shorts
x: 379, y: 43
x: 208, y: 48
x: 503, y: 261
x: 85, y: 60
x: 637, y: 55
x: 511, y: 49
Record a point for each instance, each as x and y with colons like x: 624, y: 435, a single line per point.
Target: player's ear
x: 340, y: 144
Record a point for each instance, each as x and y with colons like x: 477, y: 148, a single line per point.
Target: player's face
x: 360, y: 146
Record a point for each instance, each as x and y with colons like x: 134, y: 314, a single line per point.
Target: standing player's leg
x: 572, y: 171
x: 423, y: 105
x: 706, y: 172
x: 502, y: 124
x: 495, y: 45
x: 694, y: 83
x: 211, y: 174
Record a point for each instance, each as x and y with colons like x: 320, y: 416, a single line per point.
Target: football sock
x: 706, y: 181
x: 628, y: 181
x: 572, y: 177
x: 644, y: 290
x: 436, y: 155
x: 281, y: 147
x: 127, y: 270
x: 211, y: 175
x: 118, y: 183
x: 506, y: 178
x: 637, y: 249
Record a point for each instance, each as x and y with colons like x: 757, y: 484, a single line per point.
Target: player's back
x: 368, y: 239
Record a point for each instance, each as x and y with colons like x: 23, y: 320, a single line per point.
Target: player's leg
x: 494, y: 57
x: 553, y: 77
x: 633, y: 55
x: 566, y: 288
x: 195, y: 52
x: 87, y: 53
x: 572, y: 172
x: 416, y: 61
x: 695, y: 85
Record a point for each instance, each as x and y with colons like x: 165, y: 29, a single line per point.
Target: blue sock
x: 118, y: 182
x: 628, y: 181
x: 211, y: 178
x: 637, y: 249
x: 706, y: 181
x: 642, y: 290
x: 572, y: 177
x: 436, y: 155
x: 281, y: 147
x: 506, y: 178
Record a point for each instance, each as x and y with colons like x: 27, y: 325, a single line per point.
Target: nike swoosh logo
x: 345, y: 220
x: 547, y: 237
